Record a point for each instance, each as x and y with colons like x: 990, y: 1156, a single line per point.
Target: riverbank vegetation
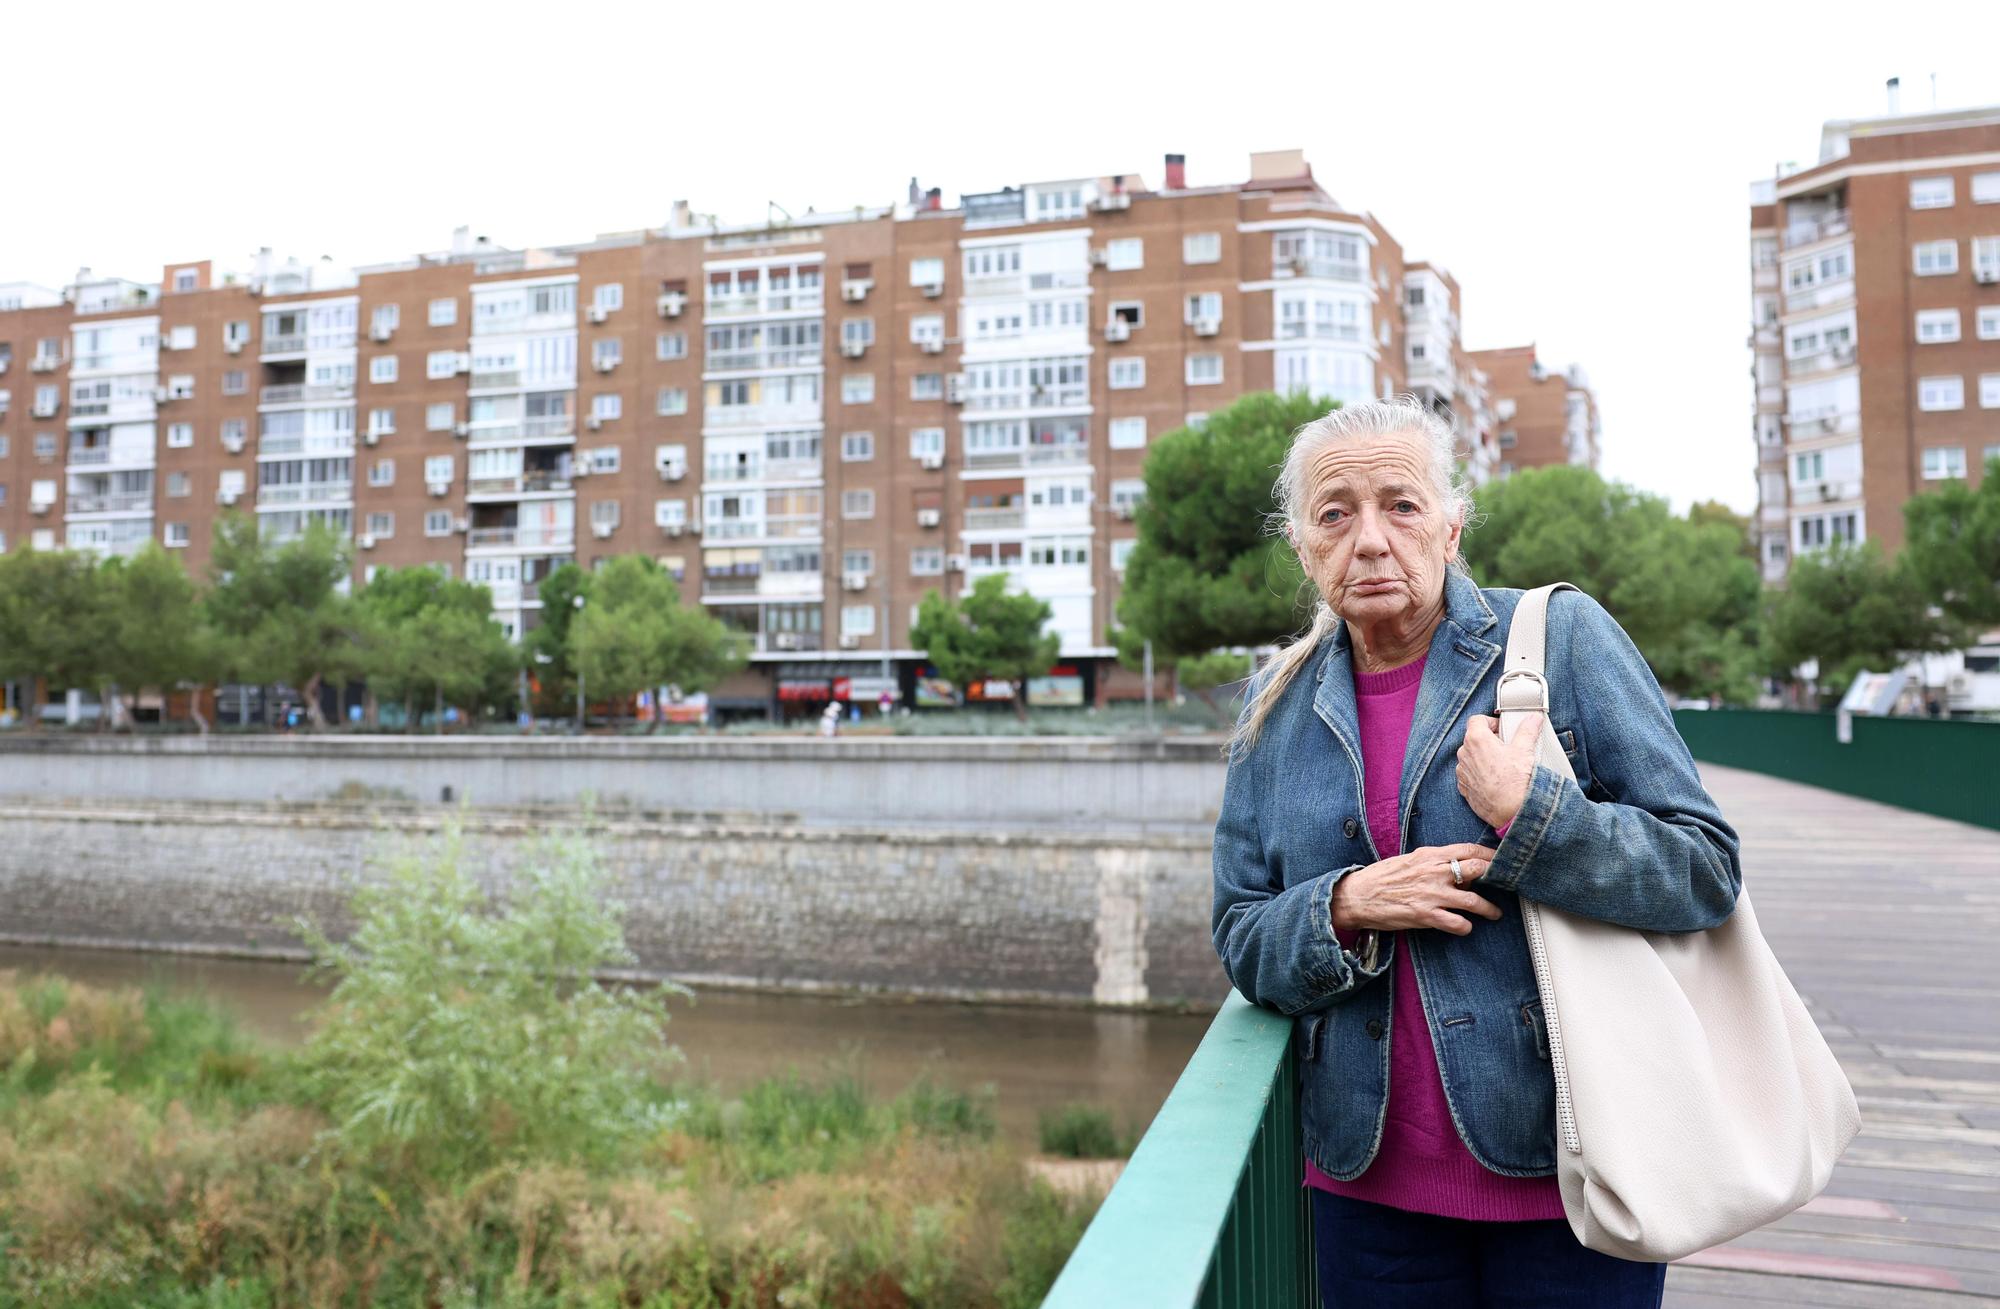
x: 476, y: 1121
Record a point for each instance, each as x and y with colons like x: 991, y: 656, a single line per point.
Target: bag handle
x: 1524, y: 683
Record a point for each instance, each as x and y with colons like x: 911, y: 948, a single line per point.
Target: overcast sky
x: 1584, y: 177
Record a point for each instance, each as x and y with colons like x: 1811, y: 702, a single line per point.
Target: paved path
x: 1889, y: 924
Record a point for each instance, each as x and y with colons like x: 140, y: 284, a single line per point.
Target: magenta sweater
x: 1422, y: 1164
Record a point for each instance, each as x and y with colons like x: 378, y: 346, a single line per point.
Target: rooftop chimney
x: 934, y: 198
x: 1895, y: 86
x: 916, y: 195
x: 1176, y: 172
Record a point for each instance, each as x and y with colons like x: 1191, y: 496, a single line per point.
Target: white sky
x: 1583, y: 176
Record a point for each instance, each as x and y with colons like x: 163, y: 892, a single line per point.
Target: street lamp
x: 576, y: 602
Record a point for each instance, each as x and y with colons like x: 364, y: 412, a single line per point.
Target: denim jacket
x: 1634, y: 839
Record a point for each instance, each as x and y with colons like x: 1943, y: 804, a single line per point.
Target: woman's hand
x: 1494, y: 775
x: 1415, y: 890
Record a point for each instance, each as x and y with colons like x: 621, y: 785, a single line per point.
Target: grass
x: 1081, y: 1131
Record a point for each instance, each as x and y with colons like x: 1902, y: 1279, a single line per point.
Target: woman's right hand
x: 1415, y: 890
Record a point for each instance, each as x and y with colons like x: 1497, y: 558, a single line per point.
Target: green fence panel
x: 1941, y: 766
x: 1211, y: 1210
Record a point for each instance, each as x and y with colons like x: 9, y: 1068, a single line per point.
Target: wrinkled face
x: 1377, y: 536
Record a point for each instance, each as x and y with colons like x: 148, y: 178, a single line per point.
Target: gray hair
x: 1373, y: 420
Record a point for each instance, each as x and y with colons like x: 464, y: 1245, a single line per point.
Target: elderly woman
x: 1374, y: 837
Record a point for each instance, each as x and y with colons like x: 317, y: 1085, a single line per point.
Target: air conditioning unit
x: 579, y: 471
x: 671, y: 303
x: 954, y: 563
x: 1207, y: 326
x: 674, y: 529
x: 40, y: 506
x: 462, y: 525
x: 604, y: 365
x: 44, y: 364
x: 367, y: 541
x: 49, y: 410
x: 931, y: 290
x: 1099, y: 257
x: 462, y: 364
x: 372, y: 437
x: 438, y: 488
x: 232, y: 347
x: 932, y: 462
x: 594, y: 423
x: 849, y: 641
x: 931, y: 345
x: 1118, y: 330
x: 1113, y: 202
x: 784, y: 640
x: 1986, y: 276
x: 461, y: 429
x: 954, y: 388
x: 227, y: 497
x: 234, y: 444
x: 602, y: 530
x: 672, y: 467
x: 1125, y: 509
x: 929, y: 517
x: 853, y: 349
x: 856, y: 289
x: 160, y: 396
x: 380, y: 332
x: 854, y: 581
x: 598, y: 313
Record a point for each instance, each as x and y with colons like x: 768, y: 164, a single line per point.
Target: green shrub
x: 1081, y: 1131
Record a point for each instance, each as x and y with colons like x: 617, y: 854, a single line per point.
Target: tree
x: 279, y: 609
x: 1202, y: 673
x: 1207, y: 571
x: 634, y: 634
x: 1952, y: 548
x: 989, y: 633
x: 546, y: 649
x: 52, y: 619
x: 424, y: 631
x: 153, y: 629
x: 1848, y: 608
x: 1684, y: 589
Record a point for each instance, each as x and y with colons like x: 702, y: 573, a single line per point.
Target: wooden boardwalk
x: 1889, y: 924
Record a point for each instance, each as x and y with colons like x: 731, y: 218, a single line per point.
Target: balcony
x: 1061, y: 452
x: 284, y: 345
x: 286, y: 493
x: 90, y: 454
x: 791, y: 415
x: 1298, y: 331
x: 784, y: 642
x: 1823, y: 422
x: 770, y: 302
x: 1040, y: 397
x: 1818, y: 295
x: 729, y: 584
x: 533, y: 482
x: 986, y: 520
x: 297, y: 394
x: 561, y: 427
x: 502, y: 380
x: 748, y: 361
x: 117, y: 502
x: 333, y: 444
x: 520, y: 538
x: 1804, y: 231
x: 1819, y: 361
x: 791, y: 470
x: 1827, y: 492
x: 1332, y: 270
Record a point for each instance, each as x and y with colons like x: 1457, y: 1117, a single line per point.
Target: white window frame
x: 671, y: 402
x: 382, y: 420
x: 440, y: 364
x: 1201, y: 248
x: 926, y: 560
x: 602, y: 458
x: 1986, y: 188
x: 1126, y: 373
x: 382, y: 370
x: 380, y: 524
x: 857, y: 503
x: 444, y: 312
x: 927, y: 386
x: 857, y: 447
x: 1943, y: 468
x: 382, y: 472
x: 857, y: 620
x: 437, y: 522
x: 177, y: 536
x: 440, y: 416
x: 440, y: 468
x: 1989, y: 323
x: 1121, y: 552
x: 1193, y: 380
x: 1128, y: 433
x: 1124, y: 255
x: 180, y: 436
x: 857, y: 389
x: 926, y: 441
x: 607, y: 405
x: 1932, y: 193
x: 670, y: 345
x: 1934, y: 258
x: 927, y: 271
x: 1937, y: 326
x: 1936, y: 402
x: 608, y: 296
x: 1989, y: 390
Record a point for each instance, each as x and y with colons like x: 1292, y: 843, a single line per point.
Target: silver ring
x: 1455, y: 873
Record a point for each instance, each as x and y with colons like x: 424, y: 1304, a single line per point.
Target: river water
x: 1035, y: 1058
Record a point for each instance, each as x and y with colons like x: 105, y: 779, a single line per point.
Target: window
x: 1986, y: 188
x: 604, y: 515
x: 234, y: 382
x: 857, y: 561
x: 1937, y: 326
x: 857, y: 620
x: 235, y: 431
x: 927, y: 386
x: 672, y: 402
x: 856, y: 446
x: 1944, y: 461
x: 441, y: 363
x: 381, y: 525
x: 607, y: 405
x: 45, y: 445
x: 670, y: 513
x: 927, y: 560
x: 180, y: 435
x: 385, y: 318
x: 1128, y: 433
x: 1808, y: 467
x: 1204, y: 370
x: 1197, y: 421
x: 179, y: 486
x: 857, y: 389
x: 1205, y: 304
x: 439, y: 417
x: 927, y: 329
x: 382, y: 422
x: 381, y: 369
x: 437, y: 522
x: 857, y: 504
x: 1930, y: 193
x: 438, y: 468
x: 1989, y: 322
x: 1126, y: 493
x: 181, y: 337
x: 236, y: 332
x: 1989, y: 390
x: 608, y: 297
x: 927, y: 442
x: 186, y: 279
x: 1935, y: 258
x: 444, y: 312
x: 1124, y: 254
x: 859, y: 331
x: 1937, y: 393
x: 178, y: 535
x: 671, y: 345
x: 1201, y: 248
x: 601, y: 459
x: 1817, y: 531
x: 1127, y: 373
x: 927, y: 272
x: 180, y: 386
x: 5, y: 398
x: 605, y: 353
x: 1121, y: 553
x: 382, y: 473
x: 1986, y: 259
x: 1132, y: 313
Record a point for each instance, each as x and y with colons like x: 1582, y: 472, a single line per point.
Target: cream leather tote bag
x: 1695, y: 1099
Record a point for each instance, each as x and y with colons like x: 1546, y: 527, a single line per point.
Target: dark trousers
x: 1374, y: 1257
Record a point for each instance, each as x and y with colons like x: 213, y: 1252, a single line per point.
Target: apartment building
x: 1540, y: 415
x: 810, y: 423
x: 1875, y: 326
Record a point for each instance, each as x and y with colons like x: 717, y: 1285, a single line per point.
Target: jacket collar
x: 1459, y: 657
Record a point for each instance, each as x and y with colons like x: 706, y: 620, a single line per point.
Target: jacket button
x: 1374, y: 1029
x: 1350, y: 829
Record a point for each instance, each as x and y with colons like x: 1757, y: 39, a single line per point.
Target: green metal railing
x: 1211, y: 1210
x: 1936, y: 766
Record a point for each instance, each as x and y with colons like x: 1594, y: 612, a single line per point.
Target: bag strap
x: 1524, y: 683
